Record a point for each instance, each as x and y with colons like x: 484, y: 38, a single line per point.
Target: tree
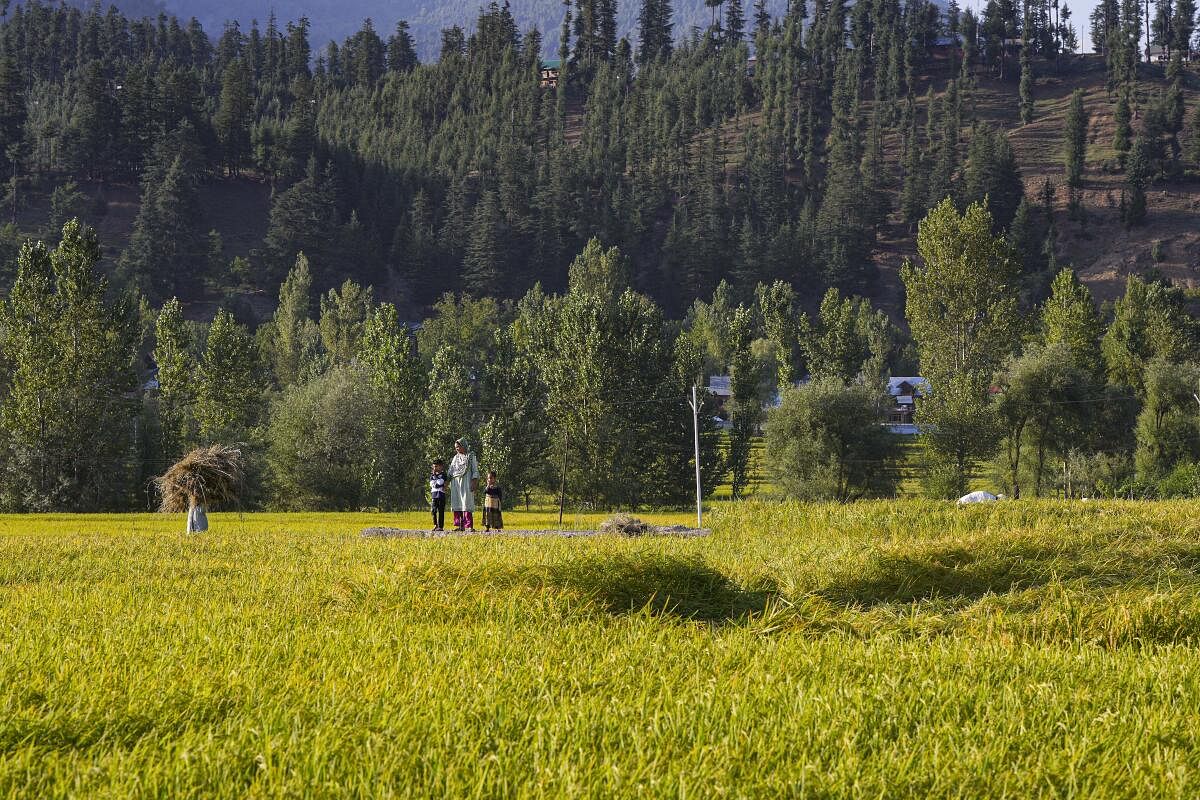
x: 1167, y: 433
x: 613, y: 397
x: 746, y: 412
x: 1042, y: 398
x: 167, y: 252
x: 991, y: 173
x: 228, y: 392
x: 825, y: 442
x: 401, y: 54
x: 319, y: 448
x: 448, y: 403
x: 291, y: 340
x: 654, y: 31
x: 1069, y: 319
x: 777, y: 307
x: 1076, y: 140
x: 1138, y: 172
x: 962, y: 310
x: 1149, y: 322
x: 1025, y: 89
x: 174, y: 355
x: 513, y: 438
x: 69, y: 357
x: 397, y: 381
x: 343, y: 315
x: 484, y: 263
x: 1122, y: 115
x: 232, y: 121
x: 847, y: 340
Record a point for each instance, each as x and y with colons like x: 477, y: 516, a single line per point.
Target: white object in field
x: 197, y: 521
x: 977, y: 497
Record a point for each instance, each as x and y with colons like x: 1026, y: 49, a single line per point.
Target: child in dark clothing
x: 493, y: 518
x: 437, y: 494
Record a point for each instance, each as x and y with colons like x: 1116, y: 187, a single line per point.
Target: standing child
x: 437, y: 494
x: 493, y: 518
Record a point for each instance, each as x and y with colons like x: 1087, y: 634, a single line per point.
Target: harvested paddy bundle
x: 206, y: 475
x: 624, y: 525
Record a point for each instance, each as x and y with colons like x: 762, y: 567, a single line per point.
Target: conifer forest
x: 345, y: 256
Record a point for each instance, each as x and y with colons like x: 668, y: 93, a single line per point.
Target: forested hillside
x: 207, y: 164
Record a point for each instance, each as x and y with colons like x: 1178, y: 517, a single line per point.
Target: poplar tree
x: 228, y: 391
x: 397, y: 380
x: 69, y: 353
x: 961, y: 306
x: 291, y: 340
x: 174, y: 346
x: 1069, y: 318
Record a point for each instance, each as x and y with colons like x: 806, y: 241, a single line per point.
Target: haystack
x: 206, y: 476
x: 624, y: 525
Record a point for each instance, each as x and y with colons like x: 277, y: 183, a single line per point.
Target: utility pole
x: 696, y: 438
x: 562, y: 488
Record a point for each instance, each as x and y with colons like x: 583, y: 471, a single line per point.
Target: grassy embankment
x: 884, y: 649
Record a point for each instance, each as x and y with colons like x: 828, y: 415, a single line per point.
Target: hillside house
x: 549, y: 74
x: 905, y: 392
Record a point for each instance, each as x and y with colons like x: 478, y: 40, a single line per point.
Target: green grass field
x: 890, y: 649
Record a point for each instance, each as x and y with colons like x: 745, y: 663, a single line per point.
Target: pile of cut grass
x: 882, y: 649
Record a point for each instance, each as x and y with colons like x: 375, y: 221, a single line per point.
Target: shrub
x: 319, y: 455
x: 1182, y: 482
x: 826, y: 441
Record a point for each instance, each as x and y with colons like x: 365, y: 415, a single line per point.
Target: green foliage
x: 398, y: 384
x: 962, y: 311
x: 320, y: 452
x: 1149, y: 322
x: 1043, y: 401
x: 1069, y: 319
x: 291, y: 340
x: 174, y: 353
x: 825, y: 442
x: 343, y: 315
x: 228, y: 387
x: 1167, y: 430
x: 69, y: 372
x: 848, y: 340
x: 746, y: 412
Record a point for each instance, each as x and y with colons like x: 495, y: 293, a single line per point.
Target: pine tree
x: 401, y: 53
x: 1137, y: 178
x: 484, y: 262
x: 1193, y: 146
x: 735, y: 22
x: 1124, y: 131
x: 1076, y: 140
x: 232, y: 121
x: 1026, y: 83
